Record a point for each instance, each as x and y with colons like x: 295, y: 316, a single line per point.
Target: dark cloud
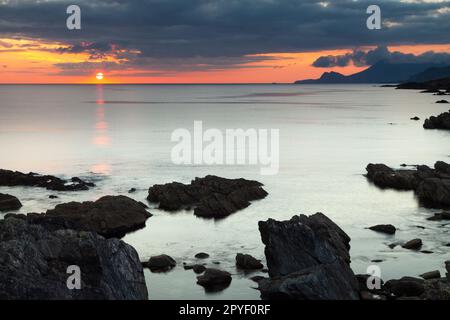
x: 214, y: 29
x: 369, y: 57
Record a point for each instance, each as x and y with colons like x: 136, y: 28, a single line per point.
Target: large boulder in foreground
x: 308, y: 258
x: 212, y: 196
x: 442, y: 121
x: 9, y: 202
x: 15, y: 178
x: 34, y: 262
x: 431, y: 185
x: 109, y: 216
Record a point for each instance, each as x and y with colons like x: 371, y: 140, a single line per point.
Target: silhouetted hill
x: 380, y: 72
x: 431, y: 86
x: 431, y: 74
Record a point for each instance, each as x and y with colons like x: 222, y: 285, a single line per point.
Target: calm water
x: 120, y: 136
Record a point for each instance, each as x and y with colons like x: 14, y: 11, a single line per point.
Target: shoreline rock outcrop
x: 308, y: 258
x: 109, y: 216
x: 442, y: 122
x: 431, y: 185
x: 15, y: 178
x: 211, y: 196
x: 9, y: 203
x: 34, y: 262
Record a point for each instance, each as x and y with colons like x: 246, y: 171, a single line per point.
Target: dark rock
x: 440, y: 216
x: 34, y: 262
x: 52, y: 196
x: 437, y: 289
x: 385, y: 177
x: 432, y: 186
x: 307, y: 258
x: 211, y: 196
x: 414, y: 244
x: 15, y: 178
x: 431, y: 275
x: 442, y: 121
x: 377, y: 260
x: 247, y: 262
x: 442, y: 101
x: 9, y: 202
x: 110, y: 216
x: 415, y: 118
x: 384, y: 228
x: 198, y: 268
x: 161, y: 263
x: 427, y: 251
x: 214, y: 279
x: 406, y: 287
x: 257, y: 278
x: 202, y: 255
x: 132, y: 190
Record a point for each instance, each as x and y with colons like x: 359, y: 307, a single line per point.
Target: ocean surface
x: 120, y: 137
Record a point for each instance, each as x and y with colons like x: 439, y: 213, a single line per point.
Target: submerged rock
x: 308, y: 258
x: 440, y: 216
x: 442, y: 101
x: 110, y: 216
x: 384, y: 228
x: 415, y: 118
x: 16, y: 178
x: 214, y: 279
x: 442, y: 121
x: 9, y: 202
x: 247, y: 262
x: 202, y: 255
x: 161, y: 263
x: 212, y: 196
x: 414, y: 244
x: 34, y: 262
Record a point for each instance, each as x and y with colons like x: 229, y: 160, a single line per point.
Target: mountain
x: 380, y: 72
x: 431, y: 74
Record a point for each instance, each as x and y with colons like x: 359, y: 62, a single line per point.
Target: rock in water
x: 406, y: 287
x: 212, y: 196
x: 9, y: 202
x: 161, y: 263
x: 308, y: 258
x: 442, y: 121
x: 214, y: 279
x: 16, y: 178
x: 414, y: 244
x: 384, y: 228
x: 432, y: 186
x: 109, y: 216
x: 385, y: 177
x: 34, y: 262
x: 247, y: 262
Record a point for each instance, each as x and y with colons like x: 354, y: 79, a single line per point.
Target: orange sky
x: 31, y: 61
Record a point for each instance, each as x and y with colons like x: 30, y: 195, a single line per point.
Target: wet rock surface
x: 442, y: 121
x: 307, y: 258
x: 211, y: 196
x: 9, y: 202
x: 214, y: 280
x: 34, y: 260
x: 161, y: 263
x: 110, y: 216
x: 414, y: 244
x: 384, y: 228
x: 15, y: 178
x: 247, y: 262
x: 431, y: 185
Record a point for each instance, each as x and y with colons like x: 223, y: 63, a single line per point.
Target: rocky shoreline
x: 307, y: 256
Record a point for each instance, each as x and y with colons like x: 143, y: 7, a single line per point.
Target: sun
x: 99, y: 76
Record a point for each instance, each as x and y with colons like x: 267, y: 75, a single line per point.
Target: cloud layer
x: 157, y: 33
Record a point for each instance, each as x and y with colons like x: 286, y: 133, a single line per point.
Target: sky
x: 213, y: 41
